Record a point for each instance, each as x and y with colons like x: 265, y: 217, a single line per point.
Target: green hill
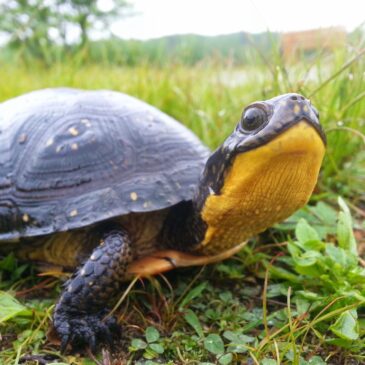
x: 188, y: 49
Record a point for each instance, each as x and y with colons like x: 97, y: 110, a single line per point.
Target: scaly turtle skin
x: 104, y: 182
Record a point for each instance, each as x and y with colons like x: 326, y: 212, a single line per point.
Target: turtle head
x: 263, y: 172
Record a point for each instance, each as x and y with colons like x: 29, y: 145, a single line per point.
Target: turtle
x: 109, y: 187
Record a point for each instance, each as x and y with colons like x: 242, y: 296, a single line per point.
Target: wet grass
x: 294, y: 295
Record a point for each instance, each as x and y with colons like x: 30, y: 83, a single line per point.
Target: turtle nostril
x: 293, y: 97
x: 301, y: 98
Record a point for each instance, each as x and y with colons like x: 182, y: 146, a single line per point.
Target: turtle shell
x: 70, y: 158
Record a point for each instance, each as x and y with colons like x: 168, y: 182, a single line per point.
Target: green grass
x: 296, y: 299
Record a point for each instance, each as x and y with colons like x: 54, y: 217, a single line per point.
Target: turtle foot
x: 80, y: 331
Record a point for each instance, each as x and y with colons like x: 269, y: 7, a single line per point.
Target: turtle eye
x: 253, y: 118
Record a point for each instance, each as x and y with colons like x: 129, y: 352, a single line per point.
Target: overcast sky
x: 155, y: 18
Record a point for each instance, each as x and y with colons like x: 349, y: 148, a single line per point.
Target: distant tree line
x: 39, y: 28
x: 186, y: 49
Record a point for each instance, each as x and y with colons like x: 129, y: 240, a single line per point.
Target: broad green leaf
x: 138, y: 344
x: 281, y: 273
x: 326, y: 213
x: 152, y: 335
x: 237, y: 349
x: 293, y: 249
x: 344, y: 207
x: 226, y: 359
x: 226, y: 296
x: 346, y: 326
x: 314, y: 245
x: 345, y: 235
x: 307, y: 267
x: 194, y: 322
x: 345, y: 221
x: 214, y: 344
x: 302, y: 305
x: 150, y: 354
x: 10, y: 307
x: 231, y: 336
x: 340, y: 342
x: 340, y: 256
x: 304, y: 232
x: 306, y: 294
x: 276, y: 290
x: 308, y: 258
x: 157, y: 348
x: 237, y: 337
x: 238, y: 341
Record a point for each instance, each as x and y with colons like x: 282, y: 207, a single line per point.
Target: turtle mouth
x: 300, y: 137
x: 310, y: 124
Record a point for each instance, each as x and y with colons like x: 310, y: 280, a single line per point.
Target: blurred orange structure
x: 294, y: 44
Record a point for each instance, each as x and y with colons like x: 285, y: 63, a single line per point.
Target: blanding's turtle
x: 107, y: 184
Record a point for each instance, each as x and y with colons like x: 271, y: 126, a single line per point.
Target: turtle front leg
x: 79, y: 315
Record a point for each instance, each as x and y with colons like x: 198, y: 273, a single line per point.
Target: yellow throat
x: 263, y: 186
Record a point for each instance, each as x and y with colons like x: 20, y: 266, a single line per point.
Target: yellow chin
x: 264, y: 186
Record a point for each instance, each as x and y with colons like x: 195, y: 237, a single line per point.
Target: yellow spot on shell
x: 25, y: 218
x: 296, y: 109
x: 134, y: 196
x: 147, y: 204
x: 305, y: 108
x: 91, y: 283
x: 74, y: 131
x: 73, y: 213
x: 74, y: 146
x: 49, y: 142
x: 22, y: 138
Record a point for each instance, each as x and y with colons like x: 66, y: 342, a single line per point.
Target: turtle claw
x: 64, y: 343
x: 84, y: 330
x: 92, y: 344
x: 108, y: 337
